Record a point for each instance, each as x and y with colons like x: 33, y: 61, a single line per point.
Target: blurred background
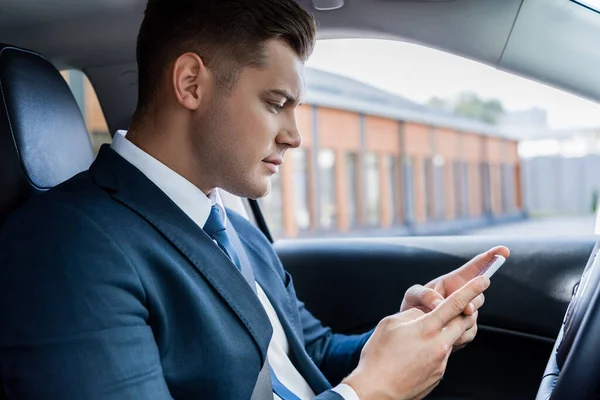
x: 401, y: 139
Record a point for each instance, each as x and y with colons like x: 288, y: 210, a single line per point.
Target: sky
x: 419, y: 73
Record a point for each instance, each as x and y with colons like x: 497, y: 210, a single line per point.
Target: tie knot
x: 215, y: 222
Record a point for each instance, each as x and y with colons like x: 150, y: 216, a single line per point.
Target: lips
x: 274, y: 160
x: 273, y: 164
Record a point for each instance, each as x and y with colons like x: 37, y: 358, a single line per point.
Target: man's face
x: 243, y: 135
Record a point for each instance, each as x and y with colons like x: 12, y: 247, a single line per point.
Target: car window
x: 89, y: 105
x: 401, y: 139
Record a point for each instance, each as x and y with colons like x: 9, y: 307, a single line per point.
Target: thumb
x: 474, y: 266
x: 431, y: 298
x: 424, y: 297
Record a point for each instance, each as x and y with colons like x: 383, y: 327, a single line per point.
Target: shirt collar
x: 191, y: 200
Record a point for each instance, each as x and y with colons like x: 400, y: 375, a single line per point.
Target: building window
x: 465, y: 189
x: 429, y: 186
x: 301, y: 193
x: 438, y: 186
x: 352, y: 176
x: 458, y: 191
x: 390, y: 166
x: 409, y: 189
x: 508, y: 188
x: 327, y: 198
x: 373, y: 195
x: 486, y: 189
x: 272, y: 206
x: 461, y: 188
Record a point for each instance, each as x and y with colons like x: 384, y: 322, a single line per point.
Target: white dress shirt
x: 196, y: 205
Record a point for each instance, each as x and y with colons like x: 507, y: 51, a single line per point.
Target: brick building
x: 373, y: 162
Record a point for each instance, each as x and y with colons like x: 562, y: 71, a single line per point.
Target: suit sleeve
x: 73, y: 313
x: 335, y: 354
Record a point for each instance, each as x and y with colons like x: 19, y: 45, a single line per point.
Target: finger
x: 455, y: 304
x: 474, y: 266
x: 429, y: 298
x: 469, y: 333
x: 470, y: 321
x: 456, y: 329
x: 420, y: 296
x: 475, y: 305
x: 467, y: 324
x: 466, y: 338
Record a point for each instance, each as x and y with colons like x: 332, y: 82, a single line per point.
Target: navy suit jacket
x: 108, y: 290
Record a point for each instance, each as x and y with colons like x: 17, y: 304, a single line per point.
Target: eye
x: 275, y: 107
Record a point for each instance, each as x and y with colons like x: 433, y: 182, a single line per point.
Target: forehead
x: 283, y: 69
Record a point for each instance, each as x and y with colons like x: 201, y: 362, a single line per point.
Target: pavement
x: 551, y: 226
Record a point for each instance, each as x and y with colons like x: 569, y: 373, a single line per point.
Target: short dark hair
x: 226, y: 34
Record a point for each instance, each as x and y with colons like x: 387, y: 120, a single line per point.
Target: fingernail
x: 486, y: 282
x: 436, y: 303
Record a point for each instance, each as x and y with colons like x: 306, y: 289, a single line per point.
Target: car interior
x: 539, y: 332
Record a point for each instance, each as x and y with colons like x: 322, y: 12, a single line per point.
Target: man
x: 139, y: 284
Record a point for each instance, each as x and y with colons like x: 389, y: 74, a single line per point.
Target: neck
x: 170, y: 145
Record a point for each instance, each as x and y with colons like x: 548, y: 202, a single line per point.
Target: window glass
x: 458, y: 188
x: 390, y: 166
x: 327, y: 198
x: 464, y: 173
x: 301, y: 193
x: 508, y: 188
x: 351, y: 171
x: 89, y: 105
x: 409, y: 191
x: 429, y: 186
x: 469, y: 141
x: 373, y: 194
x: 439, y: 195
x: 486, y: 188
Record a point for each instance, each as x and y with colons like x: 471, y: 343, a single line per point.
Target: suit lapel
x: 130, y: 187
x: 269, y: 281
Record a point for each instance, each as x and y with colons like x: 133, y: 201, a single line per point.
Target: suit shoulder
x: 247, y: 229
x: 69, y: 210
x: 255, y: 240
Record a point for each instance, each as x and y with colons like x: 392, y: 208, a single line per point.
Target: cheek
x: 255, y: 128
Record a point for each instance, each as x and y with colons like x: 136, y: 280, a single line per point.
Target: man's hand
x: 406, y: 356
x: 428, y: 297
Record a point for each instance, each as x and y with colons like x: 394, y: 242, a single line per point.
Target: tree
x: 470, y: 105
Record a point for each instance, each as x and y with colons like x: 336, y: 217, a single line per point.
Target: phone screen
x: 492, y: 266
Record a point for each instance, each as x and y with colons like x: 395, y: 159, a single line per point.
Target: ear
x: 189, y: 80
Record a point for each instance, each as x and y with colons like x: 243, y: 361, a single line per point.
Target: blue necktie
x: 215, y: 228
x: 280, y: 390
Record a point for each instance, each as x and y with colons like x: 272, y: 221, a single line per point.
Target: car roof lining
x: 544, y: 40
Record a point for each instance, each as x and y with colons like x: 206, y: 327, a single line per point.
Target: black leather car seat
x: 43, y: 137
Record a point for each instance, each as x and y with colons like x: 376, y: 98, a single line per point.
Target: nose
x: 290, y: 135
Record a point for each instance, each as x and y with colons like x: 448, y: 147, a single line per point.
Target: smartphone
x: 492, y: 266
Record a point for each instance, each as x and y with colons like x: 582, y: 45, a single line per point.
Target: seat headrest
x: 43, y: 137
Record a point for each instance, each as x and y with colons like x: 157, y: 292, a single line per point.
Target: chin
x: 260, y: 191
x: 253, y: 188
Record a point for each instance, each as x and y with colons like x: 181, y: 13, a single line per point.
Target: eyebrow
x: 289, y: 97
